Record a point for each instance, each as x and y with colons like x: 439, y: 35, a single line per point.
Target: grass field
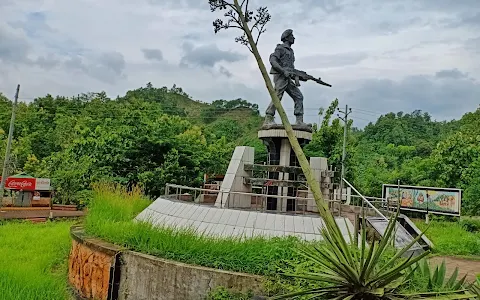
x: 33, y: 260
x: 451, y: 238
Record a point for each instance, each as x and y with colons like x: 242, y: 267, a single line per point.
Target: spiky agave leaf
x: 355, y: 271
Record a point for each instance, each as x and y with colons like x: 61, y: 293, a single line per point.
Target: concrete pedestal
x: 280, y: 153
x: 234, y: 180
x: 284, y: 177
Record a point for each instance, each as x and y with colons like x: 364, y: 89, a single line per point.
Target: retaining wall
x: 100, y: 270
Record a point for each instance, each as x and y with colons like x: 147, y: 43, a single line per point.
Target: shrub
x: 470, y: 224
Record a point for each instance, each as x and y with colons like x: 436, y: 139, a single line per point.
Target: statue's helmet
x: 286, y: 34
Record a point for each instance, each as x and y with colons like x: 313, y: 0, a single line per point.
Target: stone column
x: 276, y: 139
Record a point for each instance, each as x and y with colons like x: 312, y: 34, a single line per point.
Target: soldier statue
x: 283, y: 69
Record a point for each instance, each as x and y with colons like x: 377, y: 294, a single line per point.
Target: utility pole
x: 344, y: 154
x: 9, y: 146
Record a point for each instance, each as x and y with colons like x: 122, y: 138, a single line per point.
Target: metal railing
x: 366, y: 201
x: 248, y: 201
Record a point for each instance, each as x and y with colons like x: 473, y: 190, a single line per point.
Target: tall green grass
x: 451, y: 238
x: 33, y: 260
x: 111, y: 215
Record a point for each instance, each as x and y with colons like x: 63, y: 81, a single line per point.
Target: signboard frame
x: 426, y: 189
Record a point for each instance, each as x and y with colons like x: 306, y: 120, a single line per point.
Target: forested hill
x: 152, y: 136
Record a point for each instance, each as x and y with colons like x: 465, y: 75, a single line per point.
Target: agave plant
x: 365, y: 271
x: 437, y: 281
x: 475, y: 288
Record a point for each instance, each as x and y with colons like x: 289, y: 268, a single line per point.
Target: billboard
x: 27, y: 183
x: 427, y: 199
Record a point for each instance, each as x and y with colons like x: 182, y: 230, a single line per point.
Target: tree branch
x: 234, y: 17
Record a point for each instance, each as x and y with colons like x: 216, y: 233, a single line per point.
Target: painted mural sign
x: 420, y: 198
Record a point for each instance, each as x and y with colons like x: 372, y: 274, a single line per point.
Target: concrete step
x: 37, y: 220
x: 64, y: 207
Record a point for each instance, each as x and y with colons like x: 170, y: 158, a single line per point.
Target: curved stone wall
x: 100, y: 270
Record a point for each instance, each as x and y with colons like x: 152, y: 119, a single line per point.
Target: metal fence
x: 248, y: 201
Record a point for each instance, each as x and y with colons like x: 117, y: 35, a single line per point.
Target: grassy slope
x: 33, y: 260
x: 450, y: 238
x: 192, y: 108
x: 249, y: 123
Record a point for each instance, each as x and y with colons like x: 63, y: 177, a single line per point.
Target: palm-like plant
x: 437, y: 281
x: 364, y: 271
x: 475, y: 288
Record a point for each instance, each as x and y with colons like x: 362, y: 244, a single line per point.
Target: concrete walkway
x: 37, y: 213
x: 465, y: 266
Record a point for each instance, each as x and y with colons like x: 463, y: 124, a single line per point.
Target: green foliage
x: 152, y: 135
x: 436, y: 280
x: 419, y: 151
x: 451, y: 238
x: 148, y: 137
x: 33, y: 260
x: 470, y: 224
x: 219, y: 107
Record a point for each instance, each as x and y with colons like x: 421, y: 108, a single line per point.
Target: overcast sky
x: 379, y: 55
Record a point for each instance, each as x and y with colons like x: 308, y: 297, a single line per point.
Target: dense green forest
x: 152, y: 136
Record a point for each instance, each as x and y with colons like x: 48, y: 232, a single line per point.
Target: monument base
x: 306, y: 127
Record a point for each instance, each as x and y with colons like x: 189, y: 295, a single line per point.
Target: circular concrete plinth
x: 272, y: 133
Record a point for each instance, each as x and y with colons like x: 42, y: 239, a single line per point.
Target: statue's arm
x: 275, y: 60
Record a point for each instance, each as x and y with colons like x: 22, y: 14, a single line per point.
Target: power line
x: 368, y: 111
x: 360, y: 118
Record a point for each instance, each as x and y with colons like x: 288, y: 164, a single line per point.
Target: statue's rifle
x: 303, y: 76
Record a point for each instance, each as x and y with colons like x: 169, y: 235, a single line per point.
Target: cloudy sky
x: 379, y: 55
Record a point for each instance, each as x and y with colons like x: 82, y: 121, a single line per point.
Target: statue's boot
x: 299, y: 121
x: 269, y: 120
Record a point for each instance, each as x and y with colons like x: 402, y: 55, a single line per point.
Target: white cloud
x: 378, y: 55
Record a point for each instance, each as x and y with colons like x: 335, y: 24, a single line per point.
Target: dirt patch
x: 465, y: 266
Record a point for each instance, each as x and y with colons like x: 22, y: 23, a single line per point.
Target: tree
x: 327, y: 141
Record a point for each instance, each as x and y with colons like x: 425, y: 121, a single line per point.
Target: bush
x: 471, y: 225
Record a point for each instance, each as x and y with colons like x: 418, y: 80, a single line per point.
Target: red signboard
x: 26, y: 184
